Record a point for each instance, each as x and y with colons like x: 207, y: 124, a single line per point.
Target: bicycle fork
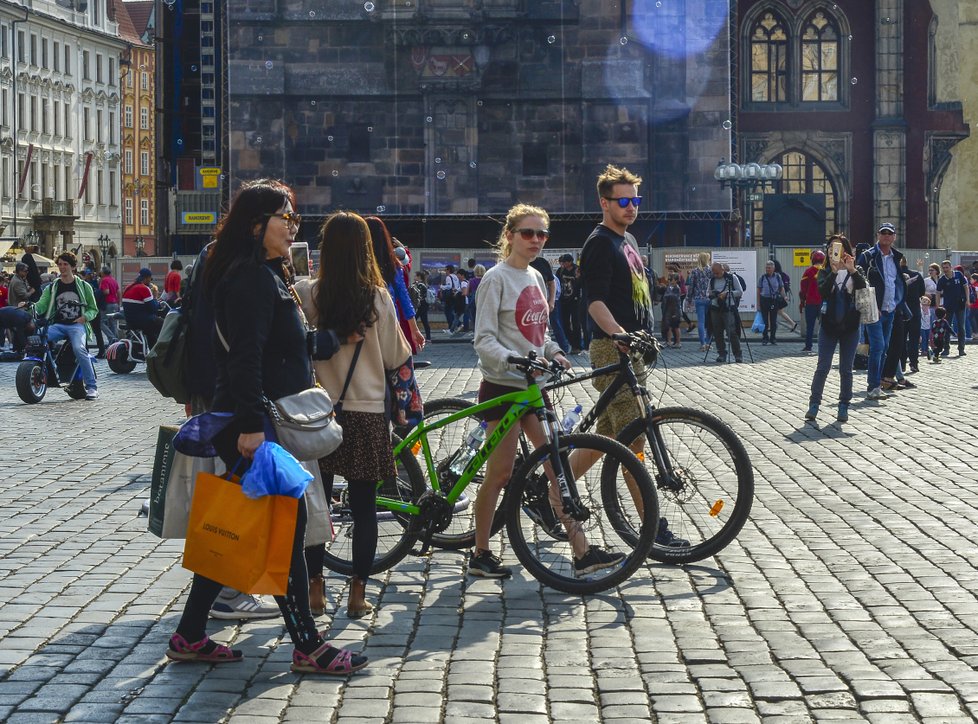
x: 563, y: 474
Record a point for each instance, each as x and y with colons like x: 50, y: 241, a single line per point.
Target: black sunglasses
x: 624, y: 201
x: 887, y: 232
x: 527, y: 234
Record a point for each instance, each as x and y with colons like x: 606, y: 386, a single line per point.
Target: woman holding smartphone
x: 837, y: 283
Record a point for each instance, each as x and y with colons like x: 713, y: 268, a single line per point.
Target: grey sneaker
x: 877, y: 394
x: 242, y: 607
x: 91, y: 394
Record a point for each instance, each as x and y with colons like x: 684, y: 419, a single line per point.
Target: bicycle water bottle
x: 571, y: 419
x: 472, y: 444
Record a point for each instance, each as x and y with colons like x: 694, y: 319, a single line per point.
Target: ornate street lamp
x: 747, y: 178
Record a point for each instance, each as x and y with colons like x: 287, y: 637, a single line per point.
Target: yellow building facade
x: 956, y: 77
x: 139, y: 153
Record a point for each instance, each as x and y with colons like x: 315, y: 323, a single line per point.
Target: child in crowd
x: 925, y: 324
x: 671, y: 296
x: 940, y: 333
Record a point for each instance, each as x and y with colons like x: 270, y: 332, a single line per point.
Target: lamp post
x: 30, y: 238
x: 748, y: 178
x: 103, y: 245
x: 140, y: 244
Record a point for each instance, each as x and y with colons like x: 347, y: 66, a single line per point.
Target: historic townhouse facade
x: 139, y: 160
x: 59, y: 121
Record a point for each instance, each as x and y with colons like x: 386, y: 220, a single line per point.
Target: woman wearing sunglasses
x: 260, y: 351
x: 512, y: 320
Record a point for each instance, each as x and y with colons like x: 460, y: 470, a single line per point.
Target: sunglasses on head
x: 527, y: 234
x: 624, y: 201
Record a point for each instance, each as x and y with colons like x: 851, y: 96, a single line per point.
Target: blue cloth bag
x: 274, y: 471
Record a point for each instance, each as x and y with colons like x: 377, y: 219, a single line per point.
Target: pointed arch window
x: 792, y: 61
x: 819, y: 59
x: 769, y: 60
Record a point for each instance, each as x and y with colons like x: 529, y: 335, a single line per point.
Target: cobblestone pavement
x: 850, y: 595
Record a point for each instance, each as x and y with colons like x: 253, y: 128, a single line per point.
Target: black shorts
x: 489, y: 390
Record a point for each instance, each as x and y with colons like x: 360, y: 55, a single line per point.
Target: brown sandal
x: 357, y: 606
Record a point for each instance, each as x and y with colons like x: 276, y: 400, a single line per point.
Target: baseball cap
x: 818, y: 255
x: 886, y: 227
x: 400, y: 253
x: 145, y: 272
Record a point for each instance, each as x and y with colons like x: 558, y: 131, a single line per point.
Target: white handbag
x: 869, y: 311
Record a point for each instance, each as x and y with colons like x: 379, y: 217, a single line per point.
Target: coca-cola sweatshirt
x: 511, y: 319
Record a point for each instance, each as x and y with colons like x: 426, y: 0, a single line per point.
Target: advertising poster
x: 743, y: 262
x: 682, y: 262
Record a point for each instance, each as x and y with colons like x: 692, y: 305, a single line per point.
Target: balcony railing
x: 54, y: 207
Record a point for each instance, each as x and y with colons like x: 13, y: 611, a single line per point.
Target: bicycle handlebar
x: 641, y: 342
x: 534, y: 362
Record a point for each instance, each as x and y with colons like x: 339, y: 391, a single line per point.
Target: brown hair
x: 348, y: 275
x: 612, y: 176
x: 68, y: 257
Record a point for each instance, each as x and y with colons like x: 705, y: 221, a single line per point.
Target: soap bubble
x: 472, y: 164
x: 268, y: 65
x: 329, y: 138
x: 441, y: 175
x: 369, y: 7
x: 437, y: 159
x: 336, y: 173
x: 727, y: 125
x: 381, y: 209
x: 854, y: 80
x: 551, y: 39
x: 429, y: 119
x: 623, y: 40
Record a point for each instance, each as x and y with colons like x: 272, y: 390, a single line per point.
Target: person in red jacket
x: 810, y: 301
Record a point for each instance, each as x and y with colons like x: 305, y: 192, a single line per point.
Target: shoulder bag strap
x: 338, y: 405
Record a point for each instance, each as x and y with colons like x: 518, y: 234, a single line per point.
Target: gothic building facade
x: 845, y: 96
x: 439, y: 114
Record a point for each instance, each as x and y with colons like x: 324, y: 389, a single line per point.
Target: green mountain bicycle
x: 596, y: 490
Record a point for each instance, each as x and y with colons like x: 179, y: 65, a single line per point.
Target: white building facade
x: 60, y: 146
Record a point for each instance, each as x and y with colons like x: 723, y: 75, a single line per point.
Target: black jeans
x: 570, y: 319
x: 725, y: 320
x: 898, y: 343
x: 769, y: 310
x: 911, y: 346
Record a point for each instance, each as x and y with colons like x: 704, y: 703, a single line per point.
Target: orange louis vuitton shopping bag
x: 238, y: 541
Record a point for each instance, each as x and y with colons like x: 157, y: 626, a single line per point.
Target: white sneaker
x: 242, y: 606
x: 877, y: 394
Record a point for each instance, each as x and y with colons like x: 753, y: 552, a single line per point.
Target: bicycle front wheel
x: 703, y: 479
x: 396, y: 532
x: 445, y: 442
x: 594, y: 554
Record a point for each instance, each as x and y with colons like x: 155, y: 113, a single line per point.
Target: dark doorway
x: 794, y: 219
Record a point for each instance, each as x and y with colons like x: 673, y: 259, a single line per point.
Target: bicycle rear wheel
x: 396, y: 532
x: 618, y: 495
x: 706, y: 488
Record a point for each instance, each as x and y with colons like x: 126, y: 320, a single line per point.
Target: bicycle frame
x: 523, y: 401
x: 625, y: 376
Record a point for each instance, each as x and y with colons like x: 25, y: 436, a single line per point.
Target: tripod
x: 740, y: 331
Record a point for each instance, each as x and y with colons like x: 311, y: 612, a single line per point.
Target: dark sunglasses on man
x: 624, y: 201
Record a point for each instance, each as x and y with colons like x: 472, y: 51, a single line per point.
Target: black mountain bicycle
x: 701, y: 471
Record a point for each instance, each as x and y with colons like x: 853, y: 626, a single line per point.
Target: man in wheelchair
x: 141, y: 308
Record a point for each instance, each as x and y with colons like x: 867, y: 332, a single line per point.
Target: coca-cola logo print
x: 531, y: 314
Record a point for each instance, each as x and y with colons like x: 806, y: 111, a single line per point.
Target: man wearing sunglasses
x: 881, y: 266
x: 618, y: 298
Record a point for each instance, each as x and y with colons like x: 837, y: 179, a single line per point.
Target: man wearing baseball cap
x: 881, y: 267
x: 140, y: 307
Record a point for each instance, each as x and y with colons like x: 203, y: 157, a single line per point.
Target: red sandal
x: 204, y: 650
x: 344, y: 663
